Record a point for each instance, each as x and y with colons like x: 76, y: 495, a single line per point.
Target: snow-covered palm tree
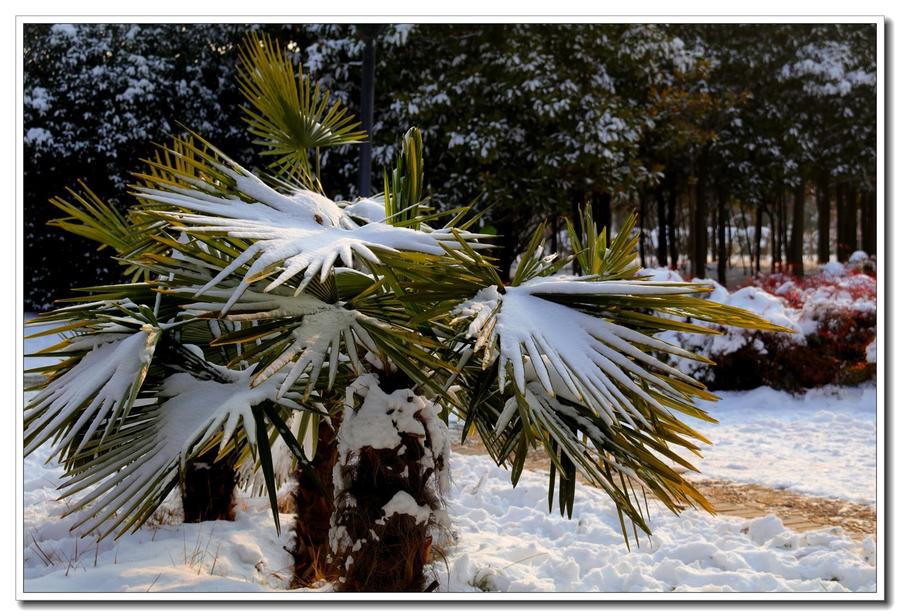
x: 261, y: 317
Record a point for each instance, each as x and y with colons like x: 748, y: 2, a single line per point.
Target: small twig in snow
x: 153, y: 582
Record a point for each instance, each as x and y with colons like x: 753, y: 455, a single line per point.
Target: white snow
x: 508, y: 542
x: 371, y: 210
x: 571, y: 353
x: 821, y: 443
x: 165, y: 556
x: 872, y: 351
x: 300, y: 233
x: 105, y: 376
x: 402, y: 503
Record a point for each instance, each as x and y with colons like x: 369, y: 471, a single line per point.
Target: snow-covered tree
x: 262, y: 317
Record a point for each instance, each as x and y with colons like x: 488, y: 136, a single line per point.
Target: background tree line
x: 751, y: 146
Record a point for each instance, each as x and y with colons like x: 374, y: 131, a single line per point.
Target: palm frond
x: 290, y: 113
x: 591, y: 384
x: 122, y: 482
x: 95, y: 387
x: 89, y: 216
x: 302, y: 233
x: 403, y: 186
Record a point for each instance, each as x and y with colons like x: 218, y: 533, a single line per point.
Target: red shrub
x: 836, y: 310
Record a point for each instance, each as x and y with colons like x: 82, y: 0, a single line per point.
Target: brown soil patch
x: 798, y: 512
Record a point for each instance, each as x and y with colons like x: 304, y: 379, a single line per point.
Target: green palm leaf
x: 289, y: 112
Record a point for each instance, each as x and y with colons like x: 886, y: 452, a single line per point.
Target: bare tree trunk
x: 773, y: 234
x: 700, y: 229
x: 785, y: 244
x: 642, y: 212
x: 757, y: 235
x: 777, y: 222
x: 508, y: 240
x: 746, y: 246
x: 714, y: 234
x: 367, y: 94
x: 796, y: 252
x: 602, y: 205
x: 823, y: 205
x: 722, y: 265
x: 662, y: 250
x: 671, y: 225
x: 847, y: 212
x: 840, y: 205
x: 730, y: 227
x: 554, y: 230
x: 852, y: 226
x: 869, y: 202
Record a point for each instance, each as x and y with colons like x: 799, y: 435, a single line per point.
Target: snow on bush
x: 833, y: 314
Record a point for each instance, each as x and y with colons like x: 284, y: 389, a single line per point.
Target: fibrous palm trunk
x: 389, y: 482
x: 314, y: 507
x: 207, y: 492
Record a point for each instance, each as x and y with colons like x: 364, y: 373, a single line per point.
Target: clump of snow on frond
x: 304, y: 232
x: 368, y: 209
x: 393, y: 468
x: 145, y: 468
x: 481, y: 309
x: 313, y: 343
x: 106, y: 379
x: 573, y: 354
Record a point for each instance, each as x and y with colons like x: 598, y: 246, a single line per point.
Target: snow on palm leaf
x: 590, y: 383
x: 95, y: 388
x: 306, y: 345
x: 590, y: 360
x: 135, y: 472
x: 302, y: 232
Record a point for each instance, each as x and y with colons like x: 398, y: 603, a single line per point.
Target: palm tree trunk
x: 207, y: 492
x: 314, y: 507
x: 389, y: 485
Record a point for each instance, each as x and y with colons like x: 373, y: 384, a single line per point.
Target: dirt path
x: 799, y: 512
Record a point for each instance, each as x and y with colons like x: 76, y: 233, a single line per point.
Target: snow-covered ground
x: 822, y: 443
x: 508, y: 542
x: 245, y: 555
